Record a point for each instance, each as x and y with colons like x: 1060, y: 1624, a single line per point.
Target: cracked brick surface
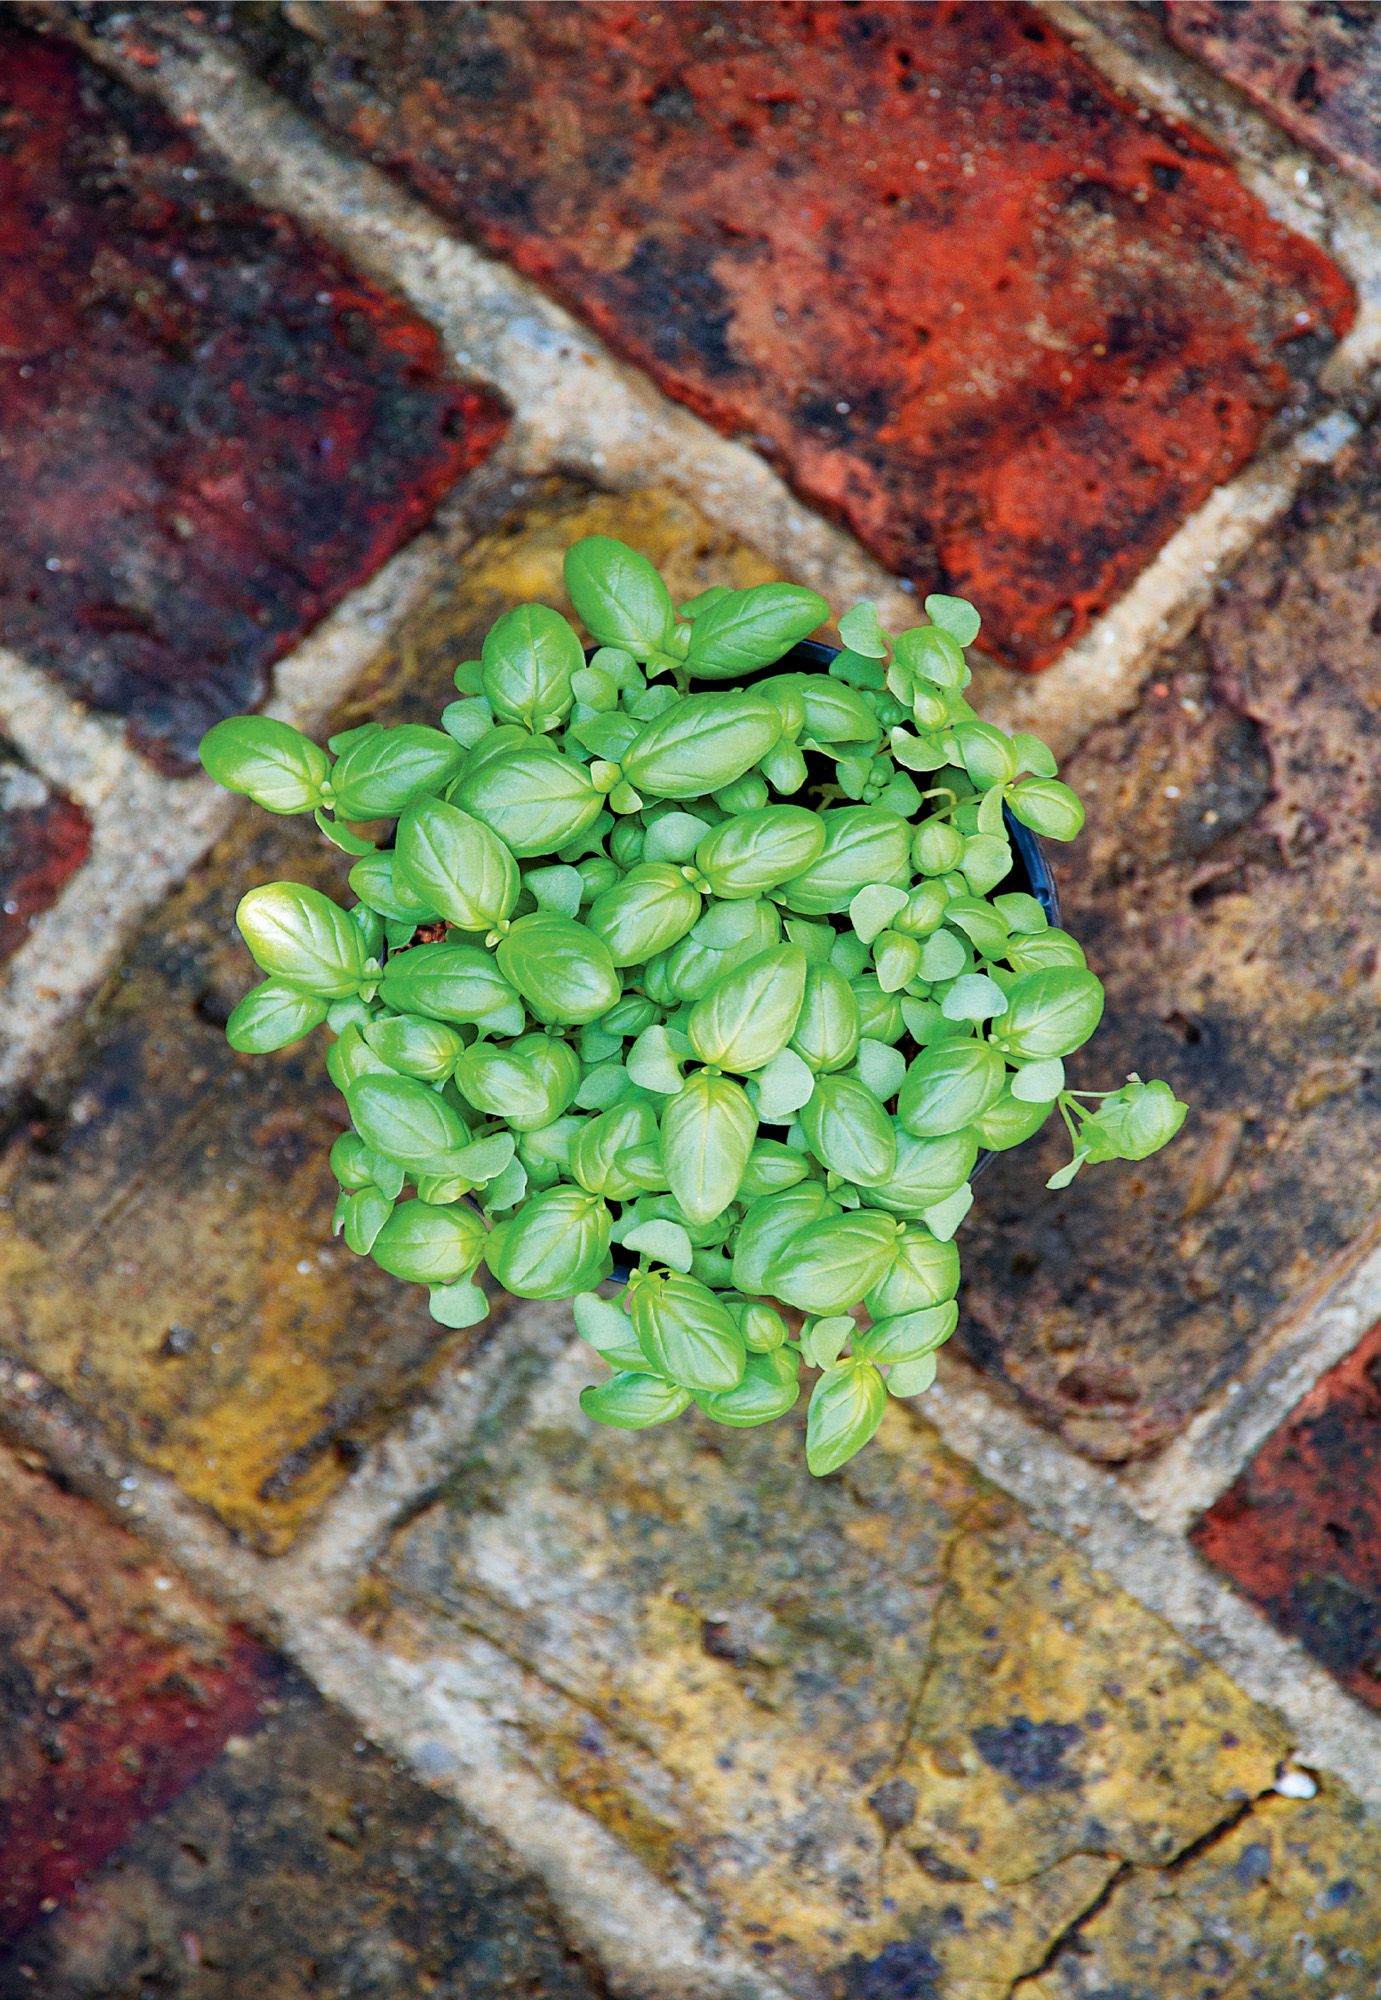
x: 117, y: 1686
x: 1007, y: 327
x: 1283, y: 1905
x: 1227, y: 889
x: 1300, y: 1532
x: 303, y: 1863
x: 1316, y: 70
x: 44, y: 838
x: 886, y: 1736
x: 210, y: 427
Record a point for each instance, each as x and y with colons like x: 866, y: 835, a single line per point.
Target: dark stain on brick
x: 1030, y: 1753
x: 44, y: 838
x: 901, y: 1971
x: 1316, y: 70
x: 1300, y: 1530
x: 210, y: 427
x: 1061, y: 320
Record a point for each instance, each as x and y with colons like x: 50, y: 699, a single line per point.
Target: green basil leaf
x: 301, y: 936
x: 927, y: 1171
x: 1021, y: 913
x: 365, y: 1212
x: 632, y: 1402
x: 764, y: 1330
x: 879, y: 1014
x: 861, y: 633
x: 502, y: 1085
x: 377, y: 777
x: 529, y: 657
x: 272, y: 1015
x: 770, y: 1222
x: 455, y: 865
x: 415, y: 1046
x: 743, y: 630
x: 707, y: 1135
x: 449, y: 982
x: 771, y: 1169
x: 912, y: 1378
x: 980, y: 922
x: 458, y: 1305
x: 1049, y: 1013
x: 945, y: 1217
x: 1008, y: 1122
x: 898, y: 960
x: 751, y: 853
x: 350, y: 1162
x: 561, y: 969
x: 270, y: 761
x: 937, y: 847
x: 1047, y: 807
x: 342, y: 837
x: 467, y: 721
x: 653, y: 1062
x: 973, y: 997
x: 546, y: 1153
x: 663, y: 1242
x: 874, y: 907
x: 647, y: 912
x: 768, y: 1390
x: 949, y: 1085
x: 685, y: 1332
x: 402, y: 1118
x: 954, y: 615
x: 863, y: 844
x: 430, y: 1246
x: 925, y: 1274
x: 828, y: 1026
x: 1035, y: 756
x: 906, y: 1336
x: 881, y: 1068
x: 846, y: 1407
x: 1039, y: 1082
x: 749, y: 1015
x: 559, y: 889
x: 918, y: 753
x: 701, y: 744
x: 848, y: 1129
x: 351, y: 1057
x: 373, y: 882
x: 780, y: 1088
x: 1046, y: 948
x: 618, y: 596
x: 824, y: 1340
x: 932, y: 654
x: 533, y: 798
x: 556, y: 1245
x: 943, y: 956
x: 986, y: 862
x: 597, y: 1156
x: 827, y: 1266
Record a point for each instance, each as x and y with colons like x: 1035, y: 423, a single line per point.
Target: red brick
x: 43, y: 838
x: 116, y: 1688
x: 1012, y: 371
x: 210, y: 428
x: 1316, y: 70
x: 1300, y: 1530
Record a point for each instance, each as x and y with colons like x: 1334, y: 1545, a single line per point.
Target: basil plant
x: 675, y: 958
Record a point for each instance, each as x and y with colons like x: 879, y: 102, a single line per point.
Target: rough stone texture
x: 1283, y: 1906
x: 302, y: 1864
x: 1315, y: 69
x: 1228, y: 890
x: 1300, y: 1532
x: 44, y: 836
x: 165, y: 1205
x: 877, y: 1727
x: 117, y: 1686
x: 1007, y: 328
x: 210, y: 427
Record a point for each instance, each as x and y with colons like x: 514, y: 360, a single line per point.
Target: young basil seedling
x: 717, y: 978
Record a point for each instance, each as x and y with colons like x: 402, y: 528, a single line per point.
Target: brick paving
x: 44, y: 837
x: 210, y: 428
x: 1300, y: 1530
x: 1316, y: 70
x: 117, y: 1686
x: 1009, y: 330
x: 659, y: 1714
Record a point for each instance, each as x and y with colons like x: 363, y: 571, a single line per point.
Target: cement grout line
x: 575, y: 405
x: 1086, y: 1507
x: 1302, y: 1342
x: 1293, y: 184
x: 148, y: 831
